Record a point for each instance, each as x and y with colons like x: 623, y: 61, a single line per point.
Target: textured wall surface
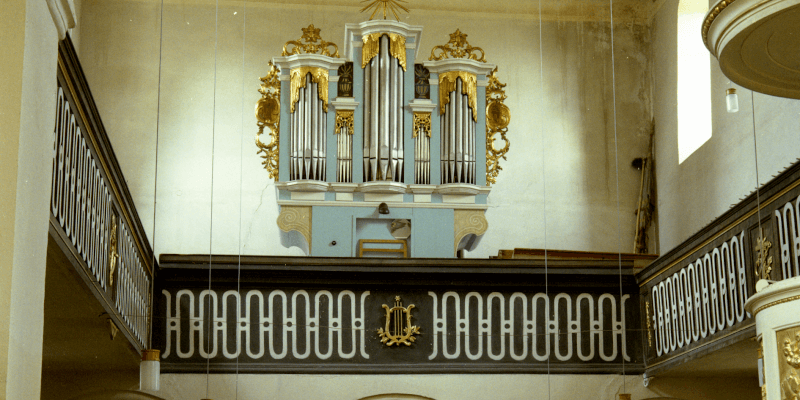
x: 559, y: 188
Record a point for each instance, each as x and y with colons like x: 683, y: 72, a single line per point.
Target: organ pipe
x: 458, y: 138
x: 383, y: 112
x: 307, y: 134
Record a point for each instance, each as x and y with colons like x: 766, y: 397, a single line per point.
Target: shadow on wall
x: 396, y: 396
x: 117, y: 395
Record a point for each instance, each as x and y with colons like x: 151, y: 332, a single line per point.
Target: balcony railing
x: 693, y: 297
x: 93, y: 218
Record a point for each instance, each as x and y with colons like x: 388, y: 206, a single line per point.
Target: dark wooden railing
x: 93, y: 218
x: 692, y: 298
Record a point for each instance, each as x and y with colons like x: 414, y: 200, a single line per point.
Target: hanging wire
x: 544, y: 173
x: 155, y: 177
x: 211, y: 197
x: 241, y: 184
x: 616, y: 171
x: 755, y: 153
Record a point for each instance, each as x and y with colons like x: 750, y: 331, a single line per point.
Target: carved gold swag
x: 469, y: 87
x: 268, y: 114
x: 397, y: 47
x: 318, y: 76
x: 498, y: 117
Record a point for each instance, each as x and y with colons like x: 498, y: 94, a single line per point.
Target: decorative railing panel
x: 356, y: 315
x: 92, y: 216
x: 693, y: 297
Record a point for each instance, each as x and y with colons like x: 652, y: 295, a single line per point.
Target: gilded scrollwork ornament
x: 268, y: 114
x: 790, y: 363
x: 469, y: 87
x: 457, y: 47
x: 422, y: 123
x: 763, y: 259
x: 498, y: 116
x: 298, y: 80
x: 344, y: 120
x: 313, y: 44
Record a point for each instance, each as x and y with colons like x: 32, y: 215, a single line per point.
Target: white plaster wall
x: 558, y: 190
x: 723, y: 170
x: 451, y: 387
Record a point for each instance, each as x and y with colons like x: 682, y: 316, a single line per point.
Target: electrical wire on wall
x: 211, y: 208
x: 544, y: 174
x: 241, y: 180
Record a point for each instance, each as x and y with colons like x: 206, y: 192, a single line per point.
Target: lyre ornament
x: 394, y: 332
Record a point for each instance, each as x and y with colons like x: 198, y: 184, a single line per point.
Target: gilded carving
x: 293, y: 218
x: 469, y: 87
x: 422, y: 123
x: 113, y: 254
x: 311, y: 37
x: 394, y: 331
x: 763, y: 259
x: 390, y: 5
x: 460, y: 49
x: 788, y: 342
x: 318, y: 76
x: 397, y: 48
x: 344, y: 119
x: 268, y: 114
x: 468, y: 222
x: 498, y: 117
x: 649, y: 326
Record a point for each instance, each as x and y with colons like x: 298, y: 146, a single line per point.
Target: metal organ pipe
x: 458, y: 139
x: 383, y: 111
x: 307, y: 134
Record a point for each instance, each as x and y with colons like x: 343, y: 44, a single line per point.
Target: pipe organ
x: 400, y: 134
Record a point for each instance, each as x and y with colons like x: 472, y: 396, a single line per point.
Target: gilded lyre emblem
x: 498, y: 117
x: 395, y: 332
x: 457, y: 47
x: 113, y: 254
x: 268, y: 114
x: 763, y: 259
x: 313, y: 44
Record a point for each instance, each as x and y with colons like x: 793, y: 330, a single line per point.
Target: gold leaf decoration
x: 397, y: 48
x: 422, y: 123
x: 391, y: 5
x: 318, y: 76
x: 268, y: 114
x: 344, y: 119
x: 313, y: 44
x: 460, y: 49
x: 498, y: 117
x: 469, y: 87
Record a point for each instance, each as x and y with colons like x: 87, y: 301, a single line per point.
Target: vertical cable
x: 755, y: 153
x: 544, y: 182
x: 211, y: 197
x: 155, y: 176
x: 241, y: 184
x: 616, y: 172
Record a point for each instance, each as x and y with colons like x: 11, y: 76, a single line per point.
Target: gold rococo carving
x: 469, y: 87
x: 344, y: 119
x: 763, y: 268
x: 397, y: 48
x: 422, y: 121
x: 298, y: 80
x: 788, y: 341
x: 460, y: 49
x: 498, y: 117
x: 268, y: 114
x: 391, y: 5
x: 311, y: 37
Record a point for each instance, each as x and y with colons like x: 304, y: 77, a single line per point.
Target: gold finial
x: 311, y: 45
x: 392, y: 5
x: 460, y: 49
